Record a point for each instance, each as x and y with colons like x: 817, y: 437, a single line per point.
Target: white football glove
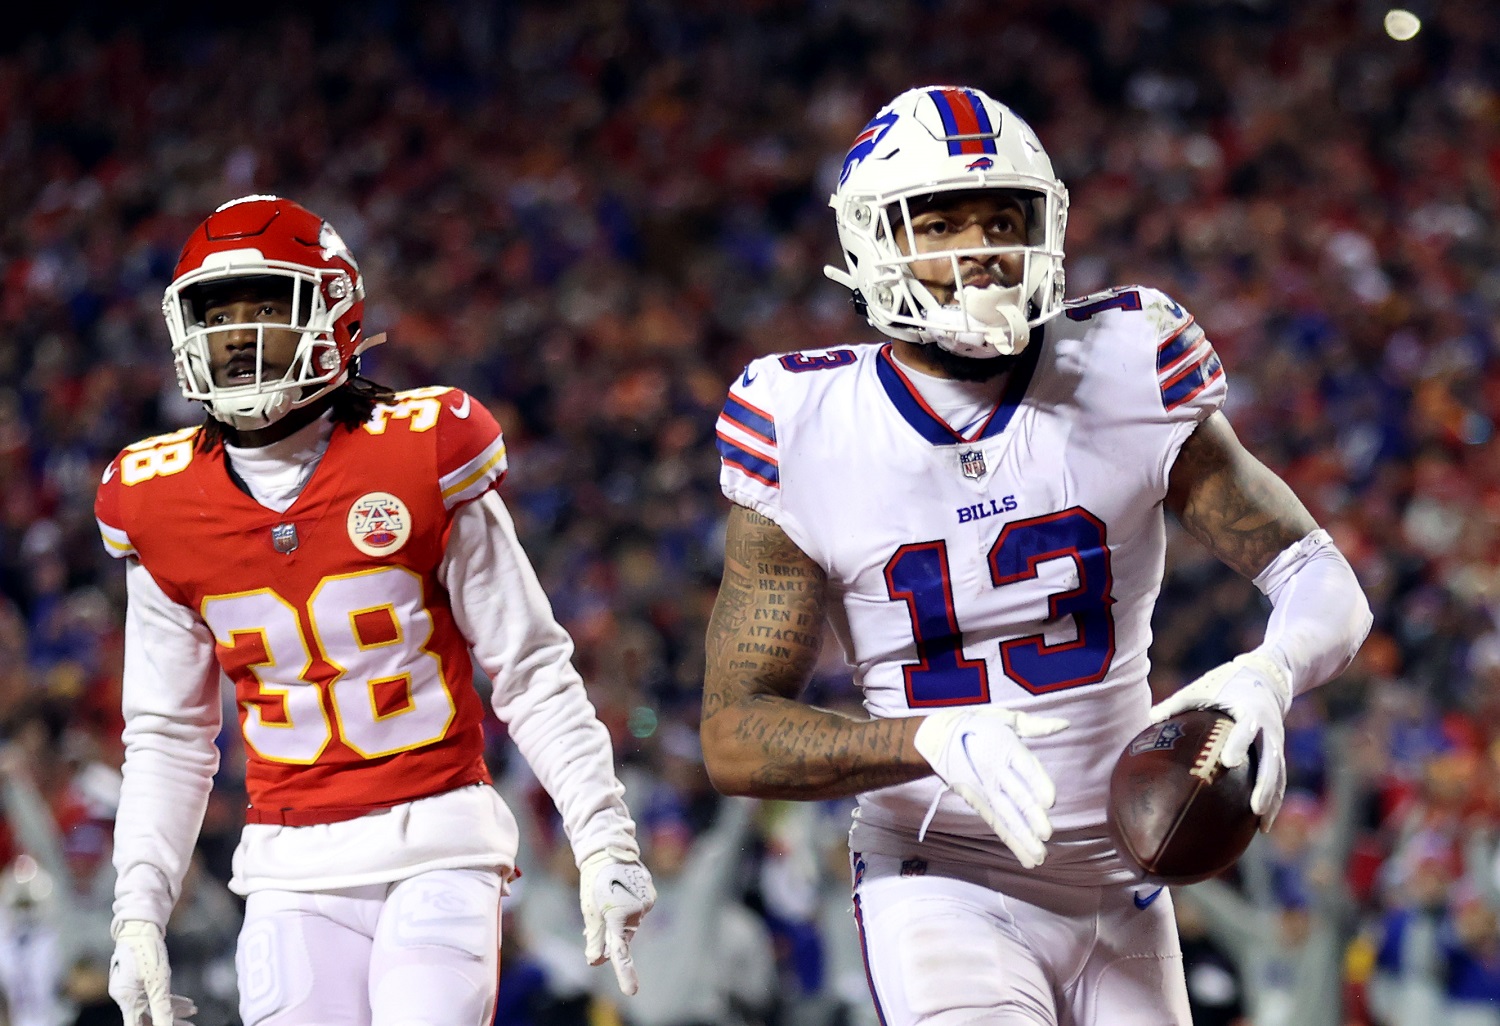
x: 615, y: 892
x: 978, y: 752
x: 1257, y: 693
x: 140, y: 980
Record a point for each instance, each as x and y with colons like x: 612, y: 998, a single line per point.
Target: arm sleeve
x: 172, y: 716
x: 1319, y: 613
x: 501, y: 609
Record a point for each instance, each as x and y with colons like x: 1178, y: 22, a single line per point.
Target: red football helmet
x: 267, y: 237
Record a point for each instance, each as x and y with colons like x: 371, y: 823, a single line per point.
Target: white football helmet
x: 946, y: 139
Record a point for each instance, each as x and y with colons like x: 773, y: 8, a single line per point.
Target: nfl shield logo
x: 972, y: 464
x: 1164, y: 737
x: 284, y: 537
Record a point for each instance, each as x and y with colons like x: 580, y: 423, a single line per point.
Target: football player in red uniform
x: 340, y: 553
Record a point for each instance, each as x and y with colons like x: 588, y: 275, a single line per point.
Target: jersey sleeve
x: 751, y: 440
x: 109, y: 513
x: 1189, y: 374
x: 749, y: 460
x: 471, y: 449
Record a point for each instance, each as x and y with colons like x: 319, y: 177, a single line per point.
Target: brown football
x: 1174, y: 811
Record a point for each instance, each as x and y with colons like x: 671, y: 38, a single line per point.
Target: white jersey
x: 1016, y: 567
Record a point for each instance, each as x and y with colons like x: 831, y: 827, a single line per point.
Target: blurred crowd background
x: 590, y: 214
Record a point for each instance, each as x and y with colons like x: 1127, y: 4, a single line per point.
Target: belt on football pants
x: 340, y: 813
x: 310, y: 817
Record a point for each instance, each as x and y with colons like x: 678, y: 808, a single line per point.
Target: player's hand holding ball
x: 615, y: 892
x: 140, y: 980
x: 1257, y: 693
x: 980, y: 754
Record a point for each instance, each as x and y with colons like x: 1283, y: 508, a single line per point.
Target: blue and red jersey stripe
x: 1182, y: 342
x: 1186, y: 364
x: 762, y: 468
x: 751, y: 419
x: 1191, y: 380
x: 915, y: 411
x: 755, y: 453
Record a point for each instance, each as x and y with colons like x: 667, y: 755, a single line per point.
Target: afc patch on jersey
x: 379, y: 523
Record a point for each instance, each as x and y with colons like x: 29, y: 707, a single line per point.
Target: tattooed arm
x: 763, y: 641
x: 1231, y: 502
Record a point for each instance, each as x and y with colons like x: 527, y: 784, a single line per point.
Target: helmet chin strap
x: 261, y: 412
x: 998, y: 313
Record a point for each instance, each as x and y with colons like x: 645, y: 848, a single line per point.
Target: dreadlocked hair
x: 350, y: 405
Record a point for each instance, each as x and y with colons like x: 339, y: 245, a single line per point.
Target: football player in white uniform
x: 977, y: 509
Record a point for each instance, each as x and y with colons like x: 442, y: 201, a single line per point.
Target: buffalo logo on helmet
x: 865, y: 143
x: 982, y: 164
x: 379, y: 523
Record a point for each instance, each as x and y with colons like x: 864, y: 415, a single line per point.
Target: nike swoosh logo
x: 747, y: 377
x: 963, y: 739
x: 628, y: 892
x: 109, y: 472
x: 461, y: 411
x: 1145, y: 903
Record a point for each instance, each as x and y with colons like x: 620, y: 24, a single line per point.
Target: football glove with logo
x: 980, y: 754
x: 615, y: 892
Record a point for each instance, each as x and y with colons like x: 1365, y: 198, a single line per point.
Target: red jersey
x: 353, y: 683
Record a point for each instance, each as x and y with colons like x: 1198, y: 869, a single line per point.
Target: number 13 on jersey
x: 918, y: 574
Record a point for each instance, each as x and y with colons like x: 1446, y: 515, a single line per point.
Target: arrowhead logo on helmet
x: 331, y: 245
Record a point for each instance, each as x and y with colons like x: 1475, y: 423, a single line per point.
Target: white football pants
x: 424, y: 951
x: 949, y: 944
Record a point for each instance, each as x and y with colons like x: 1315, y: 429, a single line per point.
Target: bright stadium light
x: 1401, y: 25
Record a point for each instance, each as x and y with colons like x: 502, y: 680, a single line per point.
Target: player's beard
x: 969, y: 368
